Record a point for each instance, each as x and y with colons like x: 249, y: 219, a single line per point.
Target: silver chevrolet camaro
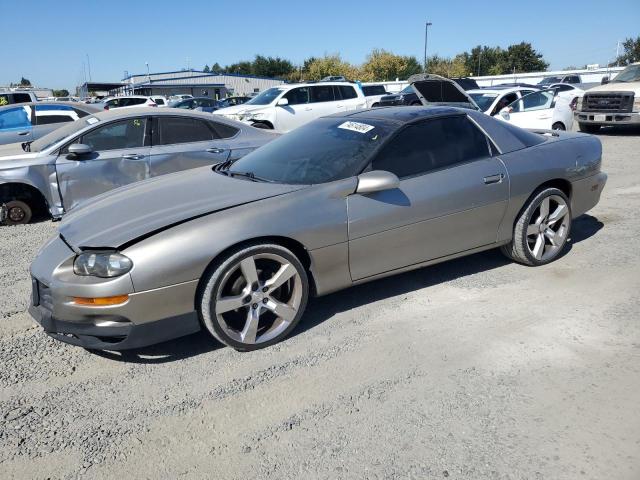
x: 238, y: 248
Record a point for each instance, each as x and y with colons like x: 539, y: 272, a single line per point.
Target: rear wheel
x: 254, y: 297
x: 588, y: 127
x: 558, y: 126
x: 18, y: 213
x: 542, y: 229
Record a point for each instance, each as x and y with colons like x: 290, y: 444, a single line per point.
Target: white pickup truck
x: 614, y: 103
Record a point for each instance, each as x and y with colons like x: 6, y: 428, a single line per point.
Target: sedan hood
x: 123, y: 215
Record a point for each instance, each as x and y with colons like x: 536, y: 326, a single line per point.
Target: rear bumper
x: 610, y: 118
x: 586, y: 193
x: 105, y: 335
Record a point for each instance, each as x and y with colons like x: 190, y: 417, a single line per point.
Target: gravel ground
x: 477, y: 368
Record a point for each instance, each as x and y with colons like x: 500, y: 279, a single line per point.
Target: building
x: 196, y: 83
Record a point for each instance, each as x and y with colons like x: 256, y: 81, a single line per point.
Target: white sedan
x: 540, y: 110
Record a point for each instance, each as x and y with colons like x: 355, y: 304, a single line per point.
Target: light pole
x: 426, y: 40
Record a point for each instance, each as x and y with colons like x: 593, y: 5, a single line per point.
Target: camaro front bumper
x: 145, y: 318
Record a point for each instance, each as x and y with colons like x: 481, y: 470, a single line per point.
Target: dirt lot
x: 478, y: 368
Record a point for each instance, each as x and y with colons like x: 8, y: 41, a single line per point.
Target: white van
x: 286, y: 107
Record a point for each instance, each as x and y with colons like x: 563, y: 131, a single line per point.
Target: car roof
x: 400, y: 114
x: 79, y: 105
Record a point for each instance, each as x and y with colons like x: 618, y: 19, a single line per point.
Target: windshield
x: 629, y: 74
x: 484, y: 100
x: 266, y: 97
x: 550, y: 80
x: 407, y: 89
x: 57, y: 135
x: 322, y: 151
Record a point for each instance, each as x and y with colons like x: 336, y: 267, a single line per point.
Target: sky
x: 55, y: 43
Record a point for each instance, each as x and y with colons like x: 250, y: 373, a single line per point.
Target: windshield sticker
x: 356, y: 127
x: 137, y: 122
x: 92, y: 120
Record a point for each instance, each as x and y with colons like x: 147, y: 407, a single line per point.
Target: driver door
x: 533, y: 110
x: 452, y: 196
x: 120, y: 156
x: 298, y: 112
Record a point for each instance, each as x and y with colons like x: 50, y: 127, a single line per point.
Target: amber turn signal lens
x: 102, y: 301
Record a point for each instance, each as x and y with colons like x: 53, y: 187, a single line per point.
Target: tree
x: 523, y: 58
x: 630, y: 54
x: 448, y: 67
x: 331, y: 65
x: 216, y: 68
x: 271, y: 67
x: 243, y: 67
x: 206, y: 69
x: 24, y: 82
x: 484, y: 60
x: 382, y: 65
x: 61, y: 93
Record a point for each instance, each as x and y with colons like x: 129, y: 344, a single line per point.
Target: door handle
x: 132, y: 156
x: 308, y: 109
x: 22, y: 134
x: 497, y: 178
x: 215, y: 150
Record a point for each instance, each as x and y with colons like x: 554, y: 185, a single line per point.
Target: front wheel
x: 541, y: 230
x: 18, y: 213
x: 254, y: 297
x: 588, y: 127
x: 558, y: 126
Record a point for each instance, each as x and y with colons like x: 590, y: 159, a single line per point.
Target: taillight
x: 574, y: 104
x: 106, y: 107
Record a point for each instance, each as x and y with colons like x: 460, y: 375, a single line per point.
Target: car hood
x: 14, y: 151
x: 123, y: 215
x: 617, y: 87
x: 432, y: 89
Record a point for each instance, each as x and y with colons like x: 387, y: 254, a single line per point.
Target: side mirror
x: 504, y: 113
x: 604, y: 80
x: 377, y: 181
x: 282, y: 102
x: 79, y: 149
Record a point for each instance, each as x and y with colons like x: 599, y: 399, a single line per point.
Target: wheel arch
x: 26, y: 192
x: 266, y: 123
x: 297, y: 248
x: 561, y: 184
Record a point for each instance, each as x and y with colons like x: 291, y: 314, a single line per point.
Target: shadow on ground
x: 323, y: 308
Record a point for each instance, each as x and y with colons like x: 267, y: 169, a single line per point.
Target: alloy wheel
x: 258, y: 298
x: 548, y: 228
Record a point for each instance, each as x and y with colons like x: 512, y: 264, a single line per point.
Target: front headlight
x: 636, y: 104
x: 102, y: 264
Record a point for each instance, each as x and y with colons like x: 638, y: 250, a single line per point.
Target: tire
x: 538, y: 238
x: 375, y: 105
x: 558, y: 126
x: 588, y: 127
x: 18, y: 213
x: 262, y: 315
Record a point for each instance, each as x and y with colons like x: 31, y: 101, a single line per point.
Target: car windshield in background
x: 266, y: 97
x: 629, y: 74
x: 325, y: 150
x: 59, y: 134
x: 550, y: 80
x: 407, y: 89
x: 484, y: 100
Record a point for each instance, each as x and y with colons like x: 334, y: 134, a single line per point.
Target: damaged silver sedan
x: 100, y: 152
x: 238, y: 248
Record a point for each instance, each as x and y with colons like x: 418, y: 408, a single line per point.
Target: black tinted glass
x: 324, y: 150
x: 224, y: 131
x: 373, y: 90
x: 432, y: 145
x: 348, y: 92
x: 322, y: 93
x: 172, y: 130
x: 118, y: 135
x: 21, y: 97
x: 298, y: 96
x: 49, y: 119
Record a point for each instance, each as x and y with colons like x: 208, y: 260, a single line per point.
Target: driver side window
x: 298, y: 96
x: 117, y: 135
x: 534, y: 101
